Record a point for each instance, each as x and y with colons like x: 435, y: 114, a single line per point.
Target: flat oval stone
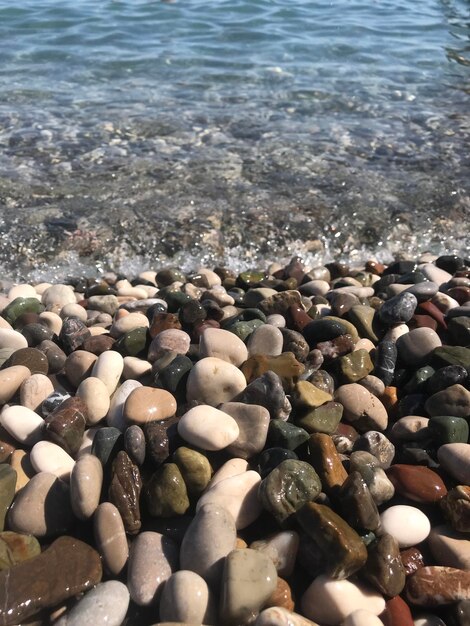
x: 417, y: 483
x: 34, y: 390
x: 209, y: 538
x: 185, y: 598
x: 148, y: 404
x: 213, y: 381
x: 86, y: 481
x: 65, y: 569
x: 455, y: 459
x: 108, y: 368
x: 282, y: 549
x: 238, y: 495
x: 230, y: 468
x: 224, y: 345
x: 416, y: 347
x: 454, y: 400
x: 152, y: 560
x: 208, y: 428
x: 407, y: 524
x: 48, y: 457
x: 116, y: 417
x: 95, y: 396
x: 105, y: 605
x: 11, y: 379
x: 449, y: 547
x: 288, y: 487
x: 362, y: 408
x: 248, y: 580
x: 330, y: 601
x: 23, y: 424
x: 42, y: 508
x: 110, y: 537
x: 436, y: 586
x: 32, y: 358
x: 170, y: 340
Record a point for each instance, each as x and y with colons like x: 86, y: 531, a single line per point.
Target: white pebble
x: 208, y: 428
x: 48, y: 457
x: 406, y: 523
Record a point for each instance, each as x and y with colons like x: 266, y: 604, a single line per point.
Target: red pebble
x: 428, y: 308
x: 397, y: 613
x: 416, y: 482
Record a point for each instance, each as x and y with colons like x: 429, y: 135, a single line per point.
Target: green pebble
x: 286, y: 435
x: 251, y: 278
x: 448, y: 429
x: 323, y: 419
x: 175, y: 299
x: 244, y: 329
x: 354, y: 366
x: 166, y: 493
x: 16, y: 547
x: 133, y: 343
x: 418, y: 380
x: 169, y: 276
x: 288, y: 487
x: 7, y: 490
x: 195, y: 469
x: 363, y: 319
x: 20, y: 306
x: 452, y: 355
x: 459, y: 330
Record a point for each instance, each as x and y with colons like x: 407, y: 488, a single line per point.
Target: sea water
x: 141, y: 132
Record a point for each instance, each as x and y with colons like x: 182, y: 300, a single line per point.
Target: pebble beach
x: 282, y: 446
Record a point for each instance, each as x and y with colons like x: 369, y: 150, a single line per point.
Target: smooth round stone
x: 42, y: 508
x: 195, y: 469
x: 213, y: 381
x: 373, y: 384
x: 135, y: 368
x: 22, y: 423
x: 454, y: 400
x: 19, y: 461
x: 56, y: 357
x: 105, y: 605
x: 32, y: 358
x: 224, y: 345
x: 398, y: 309
x: 209, y: 538
x: 282, y: 549
x: 170, y: 340
x: 78, y: 366
x: 57, y: 296
x: 253, y: 421
x: 166, y: 492
x: 134, y: 444
x: 52, y: 321
x: 185, y: 598
x: 395, y: 332
x: 267, y: 340
x: 435, y: 274
x: 12, y: 339
x: 110, y: 537
x: 455, y: 459
x: 22, y: 290
x: 230, y: 468
x: 108, y: 368
x: 116, y: 417
x: 416, y: 347
x: 330, y: 601
x: 248, y: 580
x: 34, y: 390
x: 362, y: 408
x: 208, y: 428
x: 417, y: 483
x: 11, y: 379
x: 148, y: 404
x: 449, y: 547
x: 428, y: 620
x: 238, y: 495
x: 65, y: 426
x: 406, y: 523
x: 48, y: 457
x: 267, y: 391
x: 411, y: 428
x: 86, y: 481
x: 73, y: 310
x: 279, y: 616
x: 377, y: 444
x: 276, y: 320
x: 95, y: 395
x: 152, y: 560
x: 127, y: 323
x: 361, y: 617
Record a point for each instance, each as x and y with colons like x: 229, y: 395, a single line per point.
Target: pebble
x: 170, y: 340
x: 416, y: 346
x: 116, y: 416
x: 455, y: 459
x: 417, y: 483
x: 330, y: 601
x: 86, y: 481
x: 152, y: 560
x: 362, y: 408
x: 48, y: 457
x: 407, y: 524
x: 224, y: 345
x: 278, y: 616
x: 11, y: 380
x: 208, y: 428
x: 253, y: 422
x: 23, y: 424
x: 34, y: 390
x: 105, y: 605
x: 108, y: 368
x: 213, y: 381
x: 454, y: 400
x: 435, y: 585
x: 282, y: 548
x: 449, y: 548
x: 147, y: 404
x: 110, y: 537
x: 267, y: 340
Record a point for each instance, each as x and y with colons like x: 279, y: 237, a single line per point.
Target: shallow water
x: 131, y: 132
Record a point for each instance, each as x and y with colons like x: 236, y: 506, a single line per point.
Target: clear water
x: 231, y: 131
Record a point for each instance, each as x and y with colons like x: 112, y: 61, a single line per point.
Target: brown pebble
x: 281, y: 596
x: 397, y: 613
x: 416, y: 482
x: 436, y: 586
x: 412, y: 560
x: 326, y: 461
x: 99, y: 344
x: 148, y: 404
